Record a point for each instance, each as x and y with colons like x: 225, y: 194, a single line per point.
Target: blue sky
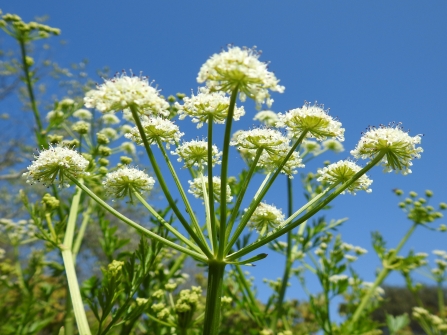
x: 369, y: 62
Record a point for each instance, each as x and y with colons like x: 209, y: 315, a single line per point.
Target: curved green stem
x: 164, y: 187
x: 379, y: 279
x: 139, y: 228
x: 223, y: 174
x: 284, y: 229
x: 166, y: 224
x: 240, y: 197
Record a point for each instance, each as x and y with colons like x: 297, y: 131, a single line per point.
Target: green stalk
x: 212, y: 217
x: 441, y: 300
x: 40, y: 138
x: 249, y: 294
x: 166, y: 224
x: 240, y: 197
x: 69, y: 264
x: 379, y: 279
x: 208, y: 225
x: 164, y: 187
x: 216, y: 271
x: 182, y: 194
x: 81, y: 232
x: 139, y: 228
x: 308, y: 215
x: 223, y: 175
x: 247, y: 215
x: 289, y: 262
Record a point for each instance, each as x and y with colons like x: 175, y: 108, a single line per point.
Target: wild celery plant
x: 236, y: 72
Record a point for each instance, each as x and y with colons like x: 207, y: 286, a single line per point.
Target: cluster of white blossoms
x: 56, y: 163
x: 126, y: 180
x: 110, y: 119
x: 207, y: 104
x: 124, y: 91
x: 195, y: 188
x: 399, y: 147
x: 195, y: 153
x: 336, y: 278
x: 270, y: 161
x: 240, y: 68
x: 265, y: 217
x: 83, y: 114
x: 268, y: 118
x: 342, y: 171
x: 313, y: 119
x: 156, y: 129
x: 267, y: 139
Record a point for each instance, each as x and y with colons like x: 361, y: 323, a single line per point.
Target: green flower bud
x: 126, y: 160
x: 103, y: 161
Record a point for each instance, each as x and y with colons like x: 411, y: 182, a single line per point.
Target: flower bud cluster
x: 195, y: 153
x: 265, y: 217
x: 195, y: 188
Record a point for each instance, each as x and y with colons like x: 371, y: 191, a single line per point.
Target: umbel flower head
x: 265, y: 217
x: 125, y: 181
x: 195, y: 153
x: 207, y: 104
x: 195, y: 188
x: 342, y: 171
x: 268, y: 139
x: 313, y: 119
x: 399, y: 147
x: 156, y: 128
x: 241, y: 68
x: 56, y: 163
x: 124, y: 91
x: 268, y: 118
x: 271, y: 161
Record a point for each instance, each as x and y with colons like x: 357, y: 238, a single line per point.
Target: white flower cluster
x: 127, y: 180
x: 156, y: 128
x: 399, y: 147
x: 195, y: 188
x: 56, y: 163
x: 83, y: 114
x: 265, y: 217
x: 195, y: 153
x: 336, y: 278
x: 268, y: 139
x: 110, y: 119
x: 313, y: 119
x: 207, y: 104
x: 270, y: 161
x: 342, y: 171
x: 268, y: 118
x: 240, y: 67
x: 124, y: 91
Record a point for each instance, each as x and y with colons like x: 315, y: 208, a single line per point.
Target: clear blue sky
x: 370, y: 62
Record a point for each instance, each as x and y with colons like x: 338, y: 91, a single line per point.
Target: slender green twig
x: 203, y: 246
x: 212, y: 218
x: 274, y: 235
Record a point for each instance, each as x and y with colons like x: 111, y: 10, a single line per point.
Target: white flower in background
x: 333, y: 145
x: 336, y: 278
x: 240, y: 67
x: 271, y: 161
x: 56, y: 163
x: 313, y: 119
x: 125, y: 128
x: 83, y: 114
x: 399, y: 147
x: 55, y: 116
x: 110, y: 119
x: 270, y: 140
x: 81, y: 127
x: 127, y: 180
x: 156, y: 128
x: 265, y: 217
x: 311, y: 146
x: 268, y: 118
x: 128, y: 147
x: 110, y: 133
x: 124, y: 91
x: 195, y: 153
x: 342, y: 171
x: 207, y: 104
x: 195, y: 188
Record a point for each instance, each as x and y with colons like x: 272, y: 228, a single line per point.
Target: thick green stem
x: 212, y: 217
x: 216, y: 271
x: 223, y: 175
x: 164, y: 187
x: 441, y: 301
x: 139, y: 228
x: 308, y: 215
x: 379, y: 279
x: 69, y: 264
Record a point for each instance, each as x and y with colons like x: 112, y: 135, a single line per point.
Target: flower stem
x: 212, y: 218
x: 379, y: 279
x: 223, y: 175
x: 69, y: 264
x: 164, y: 187
x: 139, y: 228
x: 216, y: 270
x: 309, y: 214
